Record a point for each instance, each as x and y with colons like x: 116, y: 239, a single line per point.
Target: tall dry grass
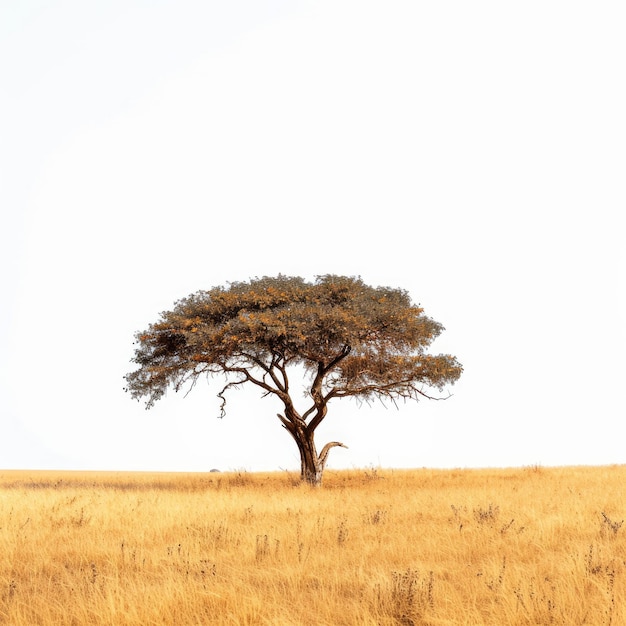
x: 472, y: 547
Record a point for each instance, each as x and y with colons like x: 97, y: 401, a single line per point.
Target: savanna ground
x: 371, y: 547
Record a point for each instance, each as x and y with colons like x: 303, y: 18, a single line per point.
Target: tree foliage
x: 352, y: 340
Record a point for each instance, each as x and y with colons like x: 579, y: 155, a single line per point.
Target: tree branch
x: 326, y: 449
x: 248, y: 377
x: 319, y: 401
x: 401, y: 389
x: 287, y: 424
x: 220, y: 395
x: 269, y: 369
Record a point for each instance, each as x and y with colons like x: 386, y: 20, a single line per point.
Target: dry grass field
x: 372, y: 547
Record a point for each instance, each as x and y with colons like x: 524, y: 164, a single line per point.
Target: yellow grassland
x: 372, y: 547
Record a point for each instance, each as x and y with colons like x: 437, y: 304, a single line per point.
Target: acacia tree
x: 350, y: 339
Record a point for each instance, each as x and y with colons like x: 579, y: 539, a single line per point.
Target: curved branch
x: 321, y: 414
x: 220, y: 394
x: 322, y: 370
x: 326, y: 449
x: 287, y: 424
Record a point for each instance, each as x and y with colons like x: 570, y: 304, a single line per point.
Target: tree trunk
x: 312, y: 464
x: 311, y: 469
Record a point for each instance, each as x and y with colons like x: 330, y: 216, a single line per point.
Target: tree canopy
x: 351, y: 340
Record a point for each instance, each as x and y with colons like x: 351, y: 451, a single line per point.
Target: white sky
x: 473, y: 153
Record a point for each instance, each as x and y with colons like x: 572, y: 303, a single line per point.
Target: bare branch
x: 287, y: 424
x: 221, y: 396
x: 326, y: 449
